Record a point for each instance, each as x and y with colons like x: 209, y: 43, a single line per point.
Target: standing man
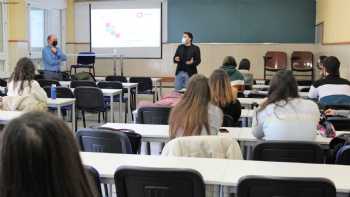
x: 52, y: 57
x: 187, y: 58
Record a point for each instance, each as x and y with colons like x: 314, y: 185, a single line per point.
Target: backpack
x: 83, y: 76
x: 335, y: 146
x: 325, y: 127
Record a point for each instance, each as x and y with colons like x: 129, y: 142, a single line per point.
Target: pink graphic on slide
x: 111, y: 30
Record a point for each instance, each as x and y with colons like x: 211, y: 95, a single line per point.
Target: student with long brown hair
x: 284, y: 115
x: 224, y: 96
x: 194, y: 114
x: 40, y: 158
x: 24, y: 93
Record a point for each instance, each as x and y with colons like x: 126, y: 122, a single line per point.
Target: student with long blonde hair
x: 194, y: 114
x: 224, y: 96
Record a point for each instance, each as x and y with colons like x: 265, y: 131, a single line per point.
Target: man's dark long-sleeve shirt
x: 186, y: 53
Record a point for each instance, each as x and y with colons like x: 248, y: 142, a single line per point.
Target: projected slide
x: 125, y: 28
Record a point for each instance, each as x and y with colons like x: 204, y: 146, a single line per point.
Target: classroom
x: 169, y: 98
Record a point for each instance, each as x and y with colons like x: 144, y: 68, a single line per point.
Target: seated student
x: 284, y: 115
x: 332, y: 89
x: 40, y: 158
x: 244, y: 69
x: 194, y: 114
x: 229, y: 66
x: 224, y: 96
x: 24, y: 93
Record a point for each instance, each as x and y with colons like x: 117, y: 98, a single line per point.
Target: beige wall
x: 212, y: 56
x: 336, y: 18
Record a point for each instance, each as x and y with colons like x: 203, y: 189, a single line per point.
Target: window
x: 3, y: 40
x: 37, y: 29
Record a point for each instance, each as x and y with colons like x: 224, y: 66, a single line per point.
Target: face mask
x: 183, y: 41
x: 54, y: 43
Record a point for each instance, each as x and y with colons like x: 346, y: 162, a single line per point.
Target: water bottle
x: 53, y: 91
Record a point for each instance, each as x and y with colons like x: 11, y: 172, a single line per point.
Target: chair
x: 83, y: 76
x: 102, y: 141
x: 75, y: 84
x: 134, y: 138
x: 303, y: 62
x: 116, y: 85
x: 116, y: 78
x: 229, y: 121
x: 343, y: 156
x: 45, y: 82
x: 145, y: 86
x: 85, y: 60
x: 274, y: 61
x: 258, y: 186
x: 148, y: 182
x: 303, y: 152
x: 153, y: 115
x: 90, y: 99
x: 340, y: 123
x: 61, y: 92
x: 94, y: 178
x: 3, y: 83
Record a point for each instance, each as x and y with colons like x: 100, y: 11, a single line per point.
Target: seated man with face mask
x: 52, y: 57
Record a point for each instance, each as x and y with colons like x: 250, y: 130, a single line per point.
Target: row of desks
x: 219, y: 171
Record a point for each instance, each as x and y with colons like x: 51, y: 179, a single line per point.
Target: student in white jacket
x: 284, y: 115
x: 24, y: 93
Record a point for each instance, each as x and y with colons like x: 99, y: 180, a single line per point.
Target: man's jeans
x: 181, y: 80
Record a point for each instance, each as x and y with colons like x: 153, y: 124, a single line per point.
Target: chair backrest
x: 116, y: 78
x: 148, y: 182
x: 61, y: 92
x: 95, y: 179
x: 75, y: 84
x: 97, y: 140
x: 86, y: 58
x: 144, y: 83
x: 134, y: 138
x: 45, y: 82
x: 275, y: 60
x: 153, y: 115
x: 110, y: 85
x: 303, y: 152
x: 255, y: 186
x: 257, y: 95
x: 340, y: 123
x: 89, y: 98
x: 343, y: 156
x: 3, y: 83
x: 302, y: 60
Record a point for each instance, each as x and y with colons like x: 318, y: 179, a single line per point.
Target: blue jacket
x: 51, y: 61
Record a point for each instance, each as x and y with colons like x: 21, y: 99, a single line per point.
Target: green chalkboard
x: 243, y: 21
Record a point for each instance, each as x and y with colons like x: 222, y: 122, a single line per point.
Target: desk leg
x: 120, y: 107
x: 59, y: 111
x: 112, y: 109
x: 73, y: 118
x: 129, y: 104
x: 160, y: 89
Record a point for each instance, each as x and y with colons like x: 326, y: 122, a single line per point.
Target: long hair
x: 23, y: 73
x: 221, y: 89
x: 40, y: 158
x: 190, y: 115
x: 283, y: 87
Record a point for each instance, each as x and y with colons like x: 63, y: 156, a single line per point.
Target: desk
x: 111, y: 93
x: 266, y: 87
x: 248, y: 102
x: 7, y: 116
x: 247, y: 92
x: 219, y: 171
x: 61, y: 102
